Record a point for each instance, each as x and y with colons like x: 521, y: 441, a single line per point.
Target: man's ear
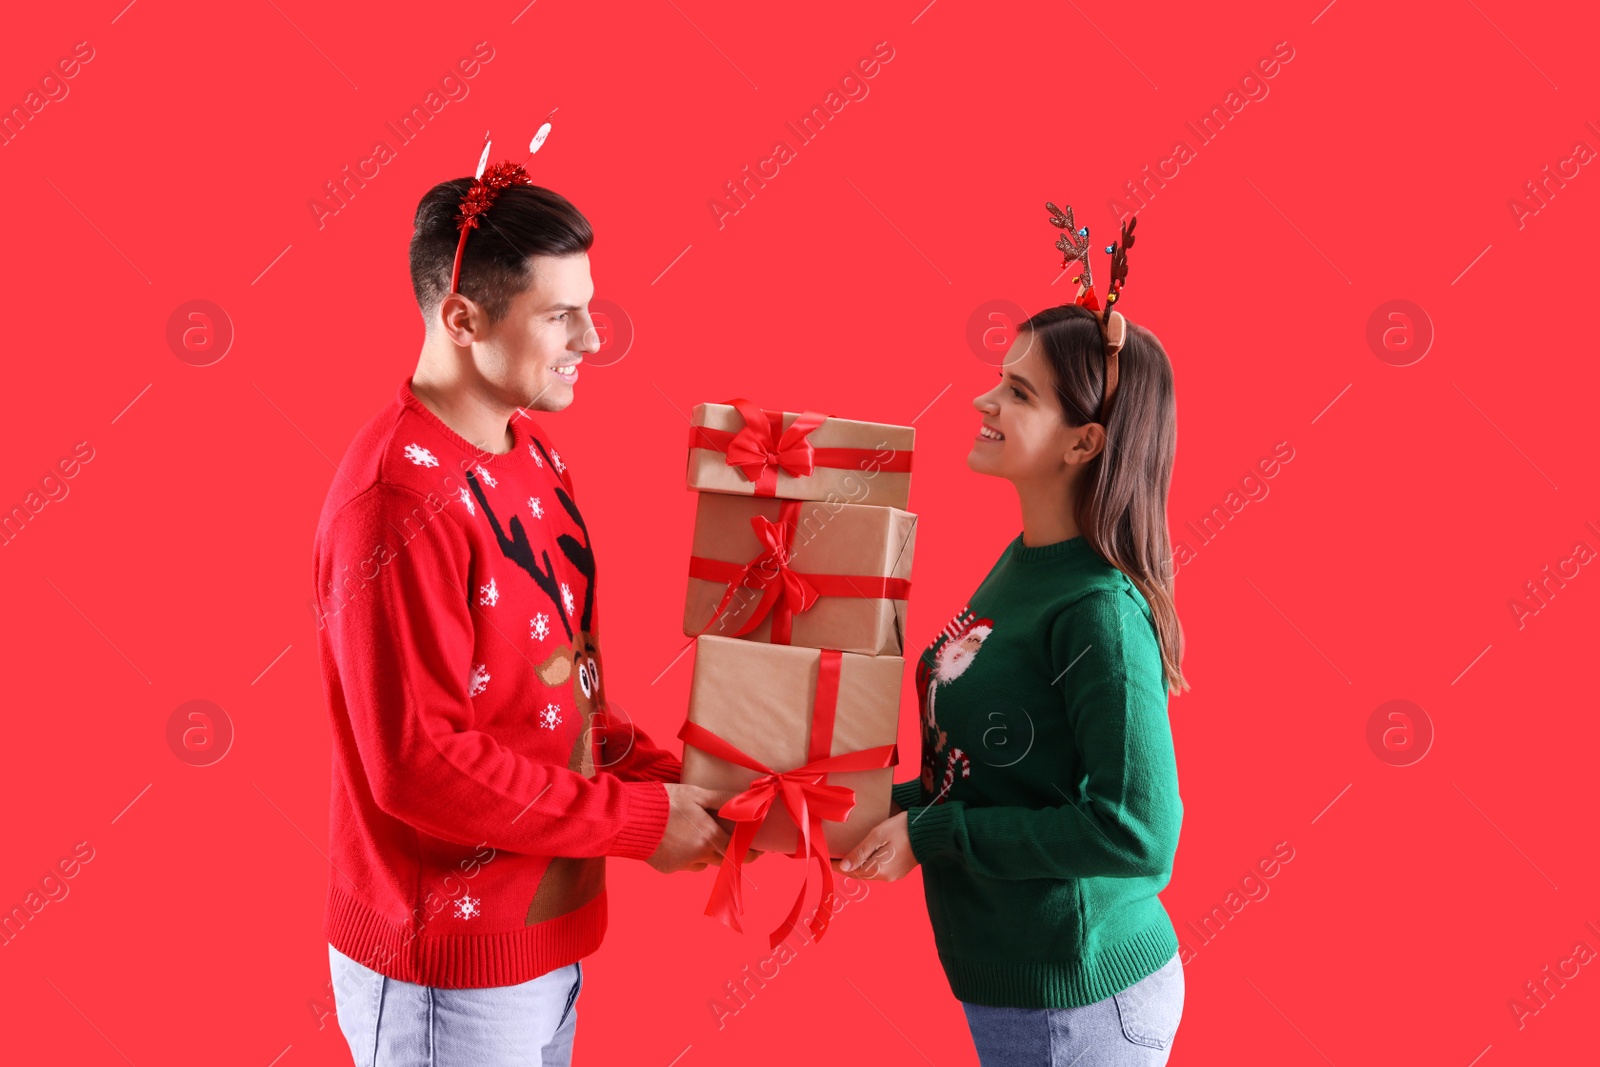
x: 462, y: 320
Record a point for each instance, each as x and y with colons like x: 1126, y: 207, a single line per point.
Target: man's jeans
x: 1133, y: 1028
x: 390, y: 1023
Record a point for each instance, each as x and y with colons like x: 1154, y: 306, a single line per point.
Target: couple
x: 480, y: 779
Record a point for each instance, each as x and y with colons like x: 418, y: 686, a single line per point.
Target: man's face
x: 531, y: 356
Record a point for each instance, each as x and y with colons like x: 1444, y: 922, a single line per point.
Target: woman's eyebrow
x: 1020, y: 380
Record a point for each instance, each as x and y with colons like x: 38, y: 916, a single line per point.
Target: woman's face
x: 1023, y: 435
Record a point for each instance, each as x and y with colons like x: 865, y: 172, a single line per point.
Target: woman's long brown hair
x: 1121, y: 504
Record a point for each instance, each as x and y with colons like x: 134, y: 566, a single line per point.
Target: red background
x: 1380, y: 565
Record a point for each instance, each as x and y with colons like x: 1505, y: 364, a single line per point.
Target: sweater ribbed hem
x: 1056, y: 550
x: 1066, y: 984
x: 516, y: 455
x: 930, y: 832
x: 458, y: 961
x: 644, y: 822
x: 907, y: 794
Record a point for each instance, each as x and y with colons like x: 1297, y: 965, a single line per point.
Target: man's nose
x: 589, y: 340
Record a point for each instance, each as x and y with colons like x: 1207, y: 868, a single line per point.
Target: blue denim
x: 1133, y: 1028
x: 390, y: 1023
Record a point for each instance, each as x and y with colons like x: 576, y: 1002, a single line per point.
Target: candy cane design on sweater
x: 953, y: 652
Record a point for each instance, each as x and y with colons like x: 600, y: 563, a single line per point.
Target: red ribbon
x: 802, y: 792
x: 763, y: 447
x: 784, y: 590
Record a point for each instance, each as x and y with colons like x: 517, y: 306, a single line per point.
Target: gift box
x: 779, y: 709
x: 805, y: 573
x: 742, y: 449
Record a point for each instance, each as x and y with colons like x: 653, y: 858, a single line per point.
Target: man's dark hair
x: 525, y: 221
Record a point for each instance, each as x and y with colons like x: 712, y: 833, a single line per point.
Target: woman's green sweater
x: 1047, y: 813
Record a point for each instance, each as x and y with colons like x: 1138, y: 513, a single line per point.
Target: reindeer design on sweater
x: 568, y: 882
x: 952, y: 653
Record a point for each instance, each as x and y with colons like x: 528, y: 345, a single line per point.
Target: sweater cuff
x: 907, y: 794
x: 932, y: 831
x: 644, y: 820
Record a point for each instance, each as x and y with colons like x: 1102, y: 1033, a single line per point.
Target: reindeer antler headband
x: 487, y: 183
x: 1074, y: 244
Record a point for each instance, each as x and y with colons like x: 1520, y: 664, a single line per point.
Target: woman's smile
x: 989, y: 433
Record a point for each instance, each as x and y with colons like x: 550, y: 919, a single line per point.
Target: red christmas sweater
x: 479, y: 779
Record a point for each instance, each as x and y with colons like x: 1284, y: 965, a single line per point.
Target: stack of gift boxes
x: 798, y: 580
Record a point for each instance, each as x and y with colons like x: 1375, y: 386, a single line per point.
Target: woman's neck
x: 1046, y: 513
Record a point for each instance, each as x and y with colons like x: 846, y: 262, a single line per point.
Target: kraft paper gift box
x: 762, y: 700
x: 745, y: 450
x: 855, y: 558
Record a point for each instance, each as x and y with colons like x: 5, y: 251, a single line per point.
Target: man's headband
x: 1074, y: 244
x: 486, y: 186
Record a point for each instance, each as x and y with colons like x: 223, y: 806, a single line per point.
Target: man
x: 479, y: 779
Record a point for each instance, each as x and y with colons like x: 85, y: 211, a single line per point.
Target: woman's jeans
x: 390, y: 1023
x: 1133, y: 1028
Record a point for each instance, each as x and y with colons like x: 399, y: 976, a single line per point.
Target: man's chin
x: 554, y: 397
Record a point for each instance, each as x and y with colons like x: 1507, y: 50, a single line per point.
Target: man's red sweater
x: 478, y: 779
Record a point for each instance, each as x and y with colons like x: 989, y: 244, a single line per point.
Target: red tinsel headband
x: 486, y: 186
x: 1074, y: 244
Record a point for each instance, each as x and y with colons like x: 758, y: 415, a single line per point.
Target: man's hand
x: 884, y: 854
x: 692, y: 839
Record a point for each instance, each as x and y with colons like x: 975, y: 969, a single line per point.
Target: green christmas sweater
x: 1046, y: 817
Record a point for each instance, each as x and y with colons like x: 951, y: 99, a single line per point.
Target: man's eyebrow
x: 565, y: 307
x: 1020, y: 380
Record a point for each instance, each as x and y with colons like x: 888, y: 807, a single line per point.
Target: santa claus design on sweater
x: 952, y: 653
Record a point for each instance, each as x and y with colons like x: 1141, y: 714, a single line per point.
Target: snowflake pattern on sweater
x: 424, y: 629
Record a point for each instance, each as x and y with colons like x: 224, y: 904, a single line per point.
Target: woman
x: 1047, y: 813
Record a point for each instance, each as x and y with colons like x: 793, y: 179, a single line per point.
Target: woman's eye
x: 1018, y: 393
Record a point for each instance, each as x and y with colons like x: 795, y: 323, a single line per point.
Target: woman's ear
x: 1085, y: 443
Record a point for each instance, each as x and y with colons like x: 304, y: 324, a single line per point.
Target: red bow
x: 784, y: 590
x: 762, y: 447
x: 808, y: 800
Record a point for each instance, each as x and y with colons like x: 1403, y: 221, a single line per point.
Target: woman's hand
x: 884, y: 854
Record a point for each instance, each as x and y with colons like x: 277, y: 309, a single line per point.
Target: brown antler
x: 1072, y: 249
x: 1119, y: 265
